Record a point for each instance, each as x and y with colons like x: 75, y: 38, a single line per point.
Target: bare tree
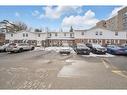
x: 13, y: 26
x: 20, y: 26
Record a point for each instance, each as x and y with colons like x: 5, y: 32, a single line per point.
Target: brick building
x: 116, y: 23
x: 2, y: 38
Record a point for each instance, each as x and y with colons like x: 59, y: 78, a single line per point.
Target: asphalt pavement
x: 47, y: 69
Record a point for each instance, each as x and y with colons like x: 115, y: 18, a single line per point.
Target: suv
x: 65, y: 50
x: 3, y: 47
x: 97, y: 48
x: 19, y: 47
x: 82, y: 49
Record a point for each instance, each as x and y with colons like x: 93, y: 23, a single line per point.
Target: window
x: 64, y: 34
x: 100, y: 33
x: 82, y: 33
x: 96, y: 41
x: 96, y: 33
x: 116, y: 33
x: 23, y: 35
x: 55, y: 34
x: 125, y: 14
x: 50, y: 34
x: 11, y: 35
x: 38, y: 35
x: 26, y: 35
x: 71, y: 35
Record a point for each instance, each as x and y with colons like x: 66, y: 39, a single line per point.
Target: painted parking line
x: 114, y: 69
x: 105, y: 64
x: 50, y: 85
x: 108, y: 64
x: 120, y: 73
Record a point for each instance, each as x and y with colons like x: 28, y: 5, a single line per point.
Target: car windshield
x: 12, y: 44
x: 65, y: 45
x: 81, y: 46
x: 113, y: 46
x: 97, y: 46
x: 124, y: 46
x: 22, y: 44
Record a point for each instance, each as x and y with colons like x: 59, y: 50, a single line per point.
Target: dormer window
x: 82, y: 33
x: 23, y: 35
x: 55, y: 34
x: 26, y: 35
x: 38, y: 35
x: 100, y: 33
x: 50, y: 34
x: 116, y: 33
x: 64, y: 34
x: 11, y: 35
x: 96, y: 33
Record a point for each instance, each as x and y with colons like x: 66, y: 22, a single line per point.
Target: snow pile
x: 99, y: 55
x: 38, y: 48
x: 57, y: 49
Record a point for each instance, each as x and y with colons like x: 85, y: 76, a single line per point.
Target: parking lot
x: 47, y: 69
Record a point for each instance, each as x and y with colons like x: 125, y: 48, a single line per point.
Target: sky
x: 56, y: 17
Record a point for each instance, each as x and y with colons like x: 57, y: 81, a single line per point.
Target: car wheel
x: 93, y: 51
x: 11, y: 51
x: 112, y: 52
x: 68, y: 53
x: 5, y: 50
x: 88, y: 53
x: 32, y: 48
x: 77, y: 53
x: 20, y: 50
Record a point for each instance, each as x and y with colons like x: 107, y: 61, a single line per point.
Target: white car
x: 65, y: 50
x: 3, y: 47
x: 19, y: 47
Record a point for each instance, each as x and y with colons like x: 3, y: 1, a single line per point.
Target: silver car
x: 65, y: 49
x: 3, y: 47
x: 19, y: 47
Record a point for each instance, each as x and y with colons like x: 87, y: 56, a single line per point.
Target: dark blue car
x: 116, y: 50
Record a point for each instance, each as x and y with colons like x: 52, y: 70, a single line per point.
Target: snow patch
x: 57, y: 49
x: 38, y: 48
x: 97, y: 55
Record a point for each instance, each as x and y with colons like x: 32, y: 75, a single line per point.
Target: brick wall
x: 2, y: 38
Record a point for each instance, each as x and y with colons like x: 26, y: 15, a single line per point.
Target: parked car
x: 82, y: 49
x: 65, y: 50
x: 96, y: 48
x: 19, y: 47
x: 74, y: 47
x: 117, y: 50
x: 124, y: 45
x: 3, y: 47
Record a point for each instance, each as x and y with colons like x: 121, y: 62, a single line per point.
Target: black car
x: 82, y: 49
x: 97, y: 48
